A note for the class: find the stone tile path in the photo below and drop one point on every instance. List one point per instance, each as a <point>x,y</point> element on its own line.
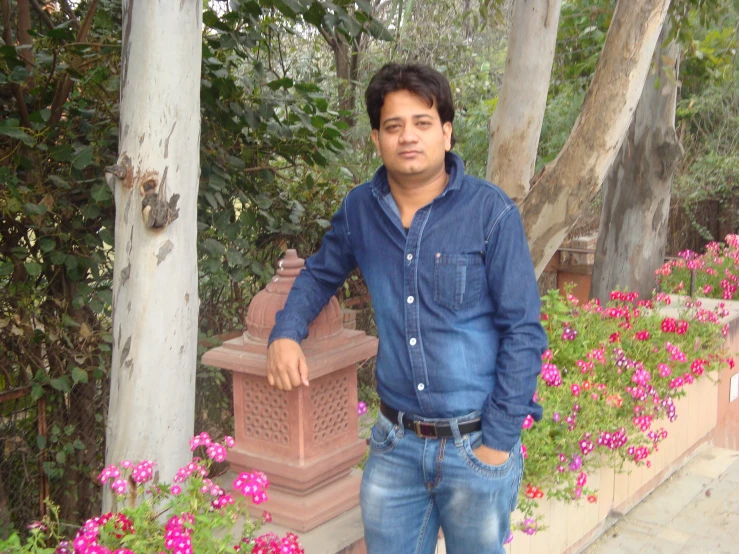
<point>696,511</point>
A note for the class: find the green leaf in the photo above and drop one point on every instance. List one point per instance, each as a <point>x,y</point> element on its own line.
<point>61,384</point>
<point>41,442</point>
<point>61,457</point>
<point>280,83</point>
<point>83,158</point>
<point>100,192</point>
<point>62,153</point>
<point>37,391</point>
<point>46,244</point>
<point>6,268</point>
<point>34,209</point>
<point>18,75</point>
<point>59,181</point>
<point>214,247</point>
<point>33,268</point>
<point>10,128</point>
<point>79,375</point>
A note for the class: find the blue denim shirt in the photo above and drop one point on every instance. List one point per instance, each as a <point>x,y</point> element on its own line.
<point>455,298</point>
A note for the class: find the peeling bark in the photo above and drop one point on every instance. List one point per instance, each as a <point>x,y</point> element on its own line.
<point>516,123</point>
<point>556,198</point>
<point>152,396</point>
<point>636,193</point>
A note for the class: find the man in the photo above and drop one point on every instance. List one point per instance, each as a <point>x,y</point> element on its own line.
<point>448,268</point>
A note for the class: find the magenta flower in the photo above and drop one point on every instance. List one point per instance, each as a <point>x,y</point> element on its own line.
<point>119,486</point>
<point>361,408</point>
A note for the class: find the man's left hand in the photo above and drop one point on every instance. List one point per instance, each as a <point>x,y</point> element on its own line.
<point>490,456</point>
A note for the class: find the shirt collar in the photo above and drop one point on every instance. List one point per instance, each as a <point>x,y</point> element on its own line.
<point>454,167</point>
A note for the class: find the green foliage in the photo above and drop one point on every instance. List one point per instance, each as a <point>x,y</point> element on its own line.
<point>153,516</point>
<point>265,136</point>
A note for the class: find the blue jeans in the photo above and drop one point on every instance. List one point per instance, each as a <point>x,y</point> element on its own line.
<point>412,486</point>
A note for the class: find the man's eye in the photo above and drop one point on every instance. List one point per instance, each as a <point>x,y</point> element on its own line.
<point>392,127</point>
<point>424,123</point>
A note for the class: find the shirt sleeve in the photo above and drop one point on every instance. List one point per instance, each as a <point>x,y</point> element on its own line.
<point>324,272</point>
<point>512,283</point>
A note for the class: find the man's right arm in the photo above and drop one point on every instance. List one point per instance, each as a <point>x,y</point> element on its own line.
<point>324,272</point>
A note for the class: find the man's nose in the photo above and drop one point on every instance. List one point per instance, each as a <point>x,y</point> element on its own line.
<point>408,134</point>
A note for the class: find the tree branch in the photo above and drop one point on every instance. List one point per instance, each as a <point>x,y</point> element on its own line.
<point>69,12</point>
<point>332,42</point>
<point>15,87</point>
<point>42,14</point>
<point>65,86</point>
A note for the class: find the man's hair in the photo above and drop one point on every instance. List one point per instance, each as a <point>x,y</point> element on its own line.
<point>419,79</point>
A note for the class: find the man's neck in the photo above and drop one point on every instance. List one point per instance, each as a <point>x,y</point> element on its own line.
<point>410,195</point>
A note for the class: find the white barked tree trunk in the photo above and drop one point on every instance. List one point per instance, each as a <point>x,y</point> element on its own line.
<point>155,286</point>
<point>516,123</point>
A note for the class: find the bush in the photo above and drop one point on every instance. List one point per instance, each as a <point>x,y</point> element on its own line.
<point>715,274</point>
<point>192,515</point>
<point>610,375</point>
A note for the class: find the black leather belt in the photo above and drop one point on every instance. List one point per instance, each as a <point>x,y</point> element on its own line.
<point>428,429</point>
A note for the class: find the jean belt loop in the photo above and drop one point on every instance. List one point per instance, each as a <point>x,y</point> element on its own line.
<point>399,423</point>
<point>454,424</point>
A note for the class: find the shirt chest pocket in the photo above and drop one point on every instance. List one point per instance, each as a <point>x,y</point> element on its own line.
<point>458,279</point>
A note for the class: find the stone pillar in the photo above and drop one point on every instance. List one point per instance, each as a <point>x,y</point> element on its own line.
<point>306,440</point>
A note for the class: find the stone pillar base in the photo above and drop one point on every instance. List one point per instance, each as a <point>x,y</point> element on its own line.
<point>296,476</point>
<point>305,512</point>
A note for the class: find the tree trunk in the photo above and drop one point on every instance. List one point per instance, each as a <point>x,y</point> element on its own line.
<point>346,58</point>
<point>636,193</point>
<point>575,176</point>
<point>155,287</point>
<point>516,123</point>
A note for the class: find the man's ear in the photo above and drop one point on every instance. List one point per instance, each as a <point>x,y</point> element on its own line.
<point>447,127</point>
<point>375,136</point>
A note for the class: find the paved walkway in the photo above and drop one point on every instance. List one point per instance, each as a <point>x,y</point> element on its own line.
<point>696,511</point>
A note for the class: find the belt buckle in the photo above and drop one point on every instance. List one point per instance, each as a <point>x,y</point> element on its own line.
<point>425,430</point>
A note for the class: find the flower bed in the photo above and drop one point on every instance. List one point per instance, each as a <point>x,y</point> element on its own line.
<point>716,272</point>
<point>192,515</point>
<point>610,384</point>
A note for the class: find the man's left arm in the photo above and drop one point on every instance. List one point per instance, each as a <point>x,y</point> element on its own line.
<point>515,294</point>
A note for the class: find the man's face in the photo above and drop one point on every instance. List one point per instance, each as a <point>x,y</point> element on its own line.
<point>411,140</point>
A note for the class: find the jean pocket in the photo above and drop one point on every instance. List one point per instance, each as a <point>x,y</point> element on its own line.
<point>384,435</point>
<point>473,441</point>
<point>458,279</point>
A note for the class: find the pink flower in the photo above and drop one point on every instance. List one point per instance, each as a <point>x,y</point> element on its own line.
<point>361,408</point>
<point>143,472</point>
<point>110,472</point>
<point>527,422</point>
<point>229,441</point>
<point>175,490</point>
<point>575,389</point>
<point>216,452</point>
<point>119,486</point>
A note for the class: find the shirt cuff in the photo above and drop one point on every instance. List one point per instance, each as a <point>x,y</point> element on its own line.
<point>500,431</point>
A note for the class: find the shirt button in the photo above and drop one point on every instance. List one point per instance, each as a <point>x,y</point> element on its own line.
<point>413,342</point>
<point>410,300</point>
<point>409,257</point>
<point>421,386</point>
